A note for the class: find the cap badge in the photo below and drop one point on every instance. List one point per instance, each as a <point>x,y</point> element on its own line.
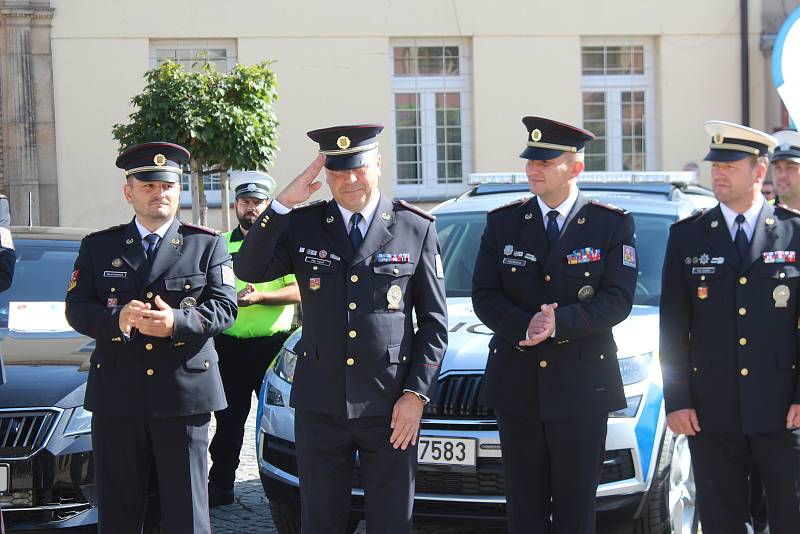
<point>785,146</point>
<point>343,142</point>
<point>718,138</point>
<point>160,160</point>
<point>252,187</point>
<point>536,135</point>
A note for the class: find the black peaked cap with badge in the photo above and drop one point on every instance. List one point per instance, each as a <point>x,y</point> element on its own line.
<point>345,147</point>
<point>788,146</point>
<point>156,161</point>
<point>548,139</point>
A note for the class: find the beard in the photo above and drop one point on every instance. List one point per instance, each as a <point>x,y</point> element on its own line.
<point>247,222</point>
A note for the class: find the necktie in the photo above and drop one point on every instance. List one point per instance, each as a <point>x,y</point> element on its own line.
<point>552,229</point>
<point>741,238</point>
<point>355,233</point>
<point>152,247</point>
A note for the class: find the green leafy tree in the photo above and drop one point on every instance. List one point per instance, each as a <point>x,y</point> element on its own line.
<point>227,120</point>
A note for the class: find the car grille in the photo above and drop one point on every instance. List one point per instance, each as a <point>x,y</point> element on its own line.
<point>485,479</point>
<point>24,432</point>
<point>457,397</point>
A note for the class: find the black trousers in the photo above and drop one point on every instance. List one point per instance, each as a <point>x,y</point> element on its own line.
<point>722,464</point>
<point>242,364</point>
<point>127,451</point>
<point>551,471</point>
<point>326,455</point>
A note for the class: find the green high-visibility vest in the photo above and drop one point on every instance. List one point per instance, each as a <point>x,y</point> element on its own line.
<point>259,320</point>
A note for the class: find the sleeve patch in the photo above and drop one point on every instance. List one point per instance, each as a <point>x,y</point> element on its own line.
<point>5,238</point>
<point>439,266</point>
<point>629,256</point>
<point>228,277</point>
<point>73,280</point>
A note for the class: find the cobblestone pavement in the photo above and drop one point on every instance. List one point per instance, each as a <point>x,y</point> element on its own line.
<point>250,512</point>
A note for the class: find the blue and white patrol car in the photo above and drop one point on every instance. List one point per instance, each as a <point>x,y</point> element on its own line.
<point>646,481</point>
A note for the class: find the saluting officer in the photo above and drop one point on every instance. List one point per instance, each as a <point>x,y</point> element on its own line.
<point>248,347</point>
<point>365,266</point>
<point>152,293</point>
<point>729,338</point>
<point>554,273</point>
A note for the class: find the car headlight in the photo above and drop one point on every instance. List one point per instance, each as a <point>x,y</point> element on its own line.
<point>274,396</point>
<point>285,364</point>
<point>630,410</point>
<point>635,368</point>
<point>80,422</point>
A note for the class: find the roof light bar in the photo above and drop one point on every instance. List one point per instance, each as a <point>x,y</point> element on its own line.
<point>596,177</point>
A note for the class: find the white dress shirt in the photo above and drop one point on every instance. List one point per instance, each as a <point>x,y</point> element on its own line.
<point>563,209</point>
<point>750,218</point>
<point>160,231</point>
<point>367,213</point>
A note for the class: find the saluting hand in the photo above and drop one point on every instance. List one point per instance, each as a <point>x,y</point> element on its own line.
<point>793,417</point>
<point>542,326</point>
<point>129,314</point>
<point>301,188</point>
<point>156,323</point>
<point>405,421</point>
<point>684,422</point>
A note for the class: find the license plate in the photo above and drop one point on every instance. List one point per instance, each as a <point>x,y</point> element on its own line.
<point>446,451</point>
<point>5,472</point>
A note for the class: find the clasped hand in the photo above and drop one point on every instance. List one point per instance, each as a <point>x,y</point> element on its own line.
<point>150,322</point>
<point>542,325</point>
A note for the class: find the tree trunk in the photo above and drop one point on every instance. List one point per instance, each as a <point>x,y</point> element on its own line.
<point>195,184</point>
<point>224,197</point>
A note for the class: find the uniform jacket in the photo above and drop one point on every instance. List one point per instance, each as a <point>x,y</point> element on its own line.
<point>357,354</point>
<point>576,373</point>
<point>146,376</point>
<point>8,259</point>
<point>729,328</point>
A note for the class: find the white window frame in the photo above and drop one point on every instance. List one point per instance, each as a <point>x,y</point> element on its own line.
<point>613,86</point>
<point>213,199</point>
<point>427,87</point>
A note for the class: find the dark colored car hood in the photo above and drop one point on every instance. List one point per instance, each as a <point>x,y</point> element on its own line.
<point>44,370</point>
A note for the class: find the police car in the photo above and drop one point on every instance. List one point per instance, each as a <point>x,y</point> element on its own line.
<point>646,483</point>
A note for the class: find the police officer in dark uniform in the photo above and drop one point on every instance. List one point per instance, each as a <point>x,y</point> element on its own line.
<point>554,273</point>
<point>8,259</point>
<point>729,339</point>
<point>365,265</point>
<point>152,293</point>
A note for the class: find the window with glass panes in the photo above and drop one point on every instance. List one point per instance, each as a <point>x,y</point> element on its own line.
<point>618,106</point>
<point>192,54</point>
<point>431,106</point>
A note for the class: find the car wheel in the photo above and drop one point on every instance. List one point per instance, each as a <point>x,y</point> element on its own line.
<point>671,504</point>
<point>287,519</point>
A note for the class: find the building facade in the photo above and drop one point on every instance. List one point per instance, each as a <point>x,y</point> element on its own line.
<point>450,80</point>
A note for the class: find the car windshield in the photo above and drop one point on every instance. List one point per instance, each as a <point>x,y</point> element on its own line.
<point>460,235</point>
<point>42,273</point>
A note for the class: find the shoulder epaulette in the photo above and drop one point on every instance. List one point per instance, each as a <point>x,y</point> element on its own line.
<point>419,211</point>
<point>513,204</point>
<point>787,209</point>
<point>692,217</point>
<point>106,230</point>
<point>610,207</point>
<point>307,205</point>
<point>200,228</point>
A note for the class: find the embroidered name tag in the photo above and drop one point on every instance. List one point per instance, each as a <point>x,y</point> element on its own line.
<point>513,261</point>
<point>317,261</point>
<point>704,270</point>
<point>115,274</point>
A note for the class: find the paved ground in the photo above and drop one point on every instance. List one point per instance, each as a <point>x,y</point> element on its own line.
<point>250,512</point>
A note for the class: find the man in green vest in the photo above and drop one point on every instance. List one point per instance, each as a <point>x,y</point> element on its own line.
<point>247,348</point>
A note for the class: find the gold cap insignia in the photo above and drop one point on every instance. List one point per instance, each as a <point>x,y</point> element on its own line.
<point>718,138</point>
<point>536,135</point>
<point>116,262</point>
<point>343,142</point>
<point>160,159</point>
